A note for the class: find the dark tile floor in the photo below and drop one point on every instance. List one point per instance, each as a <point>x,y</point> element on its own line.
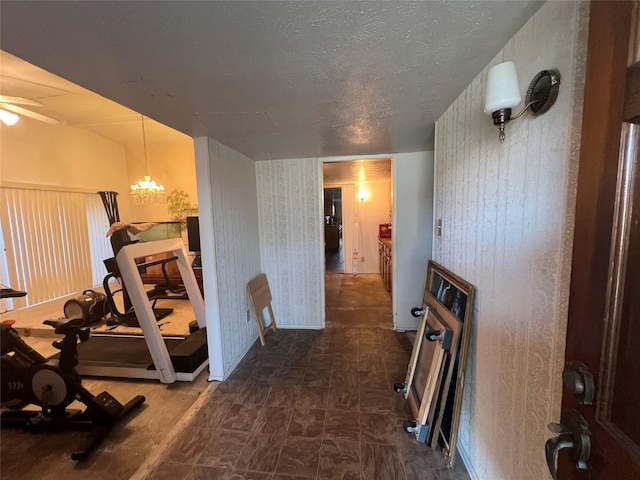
<point>313,404</point>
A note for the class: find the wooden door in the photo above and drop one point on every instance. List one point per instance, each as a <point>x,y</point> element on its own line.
<point>604,306</point>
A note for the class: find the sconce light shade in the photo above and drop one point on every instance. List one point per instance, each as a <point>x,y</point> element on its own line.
<point>503,90</point>
<point>502,94</point>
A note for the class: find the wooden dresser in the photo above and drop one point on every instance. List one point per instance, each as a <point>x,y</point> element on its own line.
<point>386,263</point>
<point>154,276</point>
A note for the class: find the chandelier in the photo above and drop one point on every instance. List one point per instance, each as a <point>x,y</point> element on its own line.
<point>146,191</point>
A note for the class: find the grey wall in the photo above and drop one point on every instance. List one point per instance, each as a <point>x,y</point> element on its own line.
<point>412,232</point>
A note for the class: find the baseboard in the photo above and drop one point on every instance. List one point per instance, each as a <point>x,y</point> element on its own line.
<point>467,462</point>
<point>299,327</point>
<point>236,362</point>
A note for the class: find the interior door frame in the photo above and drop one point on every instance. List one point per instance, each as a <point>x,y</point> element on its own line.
<point>606,70</point>
<point>348,255</point>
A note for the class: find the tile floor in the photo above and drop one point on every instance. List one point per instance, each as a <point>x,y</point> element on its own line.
<point>313,404</point>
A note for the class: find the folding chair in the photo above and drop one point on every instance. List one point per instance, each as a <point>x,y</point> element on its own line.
<point>260,296</point>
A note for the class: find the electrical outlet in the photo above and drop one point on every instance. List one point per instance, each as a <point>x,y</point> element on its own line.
<point>362,259</point>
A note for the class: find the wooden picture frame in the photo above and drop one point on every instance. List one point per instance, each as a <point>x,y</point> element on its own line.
<point>436,341</point>
<point>425,371</point>
<point>450,296</point>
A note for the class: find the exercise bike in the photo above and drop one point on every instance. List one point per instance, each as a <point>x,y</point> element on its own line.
<point>53,384</point>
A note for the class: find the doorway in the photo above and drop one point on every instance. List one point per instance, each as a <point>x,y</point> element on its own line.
<point>333,243</point>
<point>357,199</point>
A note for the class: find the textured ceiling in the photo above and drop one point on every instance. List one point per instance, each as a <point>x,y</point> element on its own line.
<point>272,79</point>
<point>356,171</point>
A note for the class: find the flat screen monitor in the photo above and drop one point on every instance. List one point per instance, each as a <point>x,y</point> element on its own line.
<point>193,234</point>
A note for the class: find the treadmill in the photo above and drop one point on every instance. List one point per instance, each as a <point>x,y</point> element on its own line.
<point>150,356</point>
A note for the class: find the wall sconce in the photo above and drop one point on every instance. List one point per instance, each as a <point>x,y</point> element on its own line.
<point>362,194</point>
<point>502,94</point>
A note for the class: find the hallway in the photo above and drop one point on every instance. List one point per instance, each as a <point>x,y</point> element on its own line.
<point>334,259</point>
<point>313,404</point>
<point>357,302</point>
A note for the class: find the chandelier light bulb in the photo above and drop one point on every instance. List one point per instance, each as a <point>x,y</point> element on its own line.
<point>8,118</point>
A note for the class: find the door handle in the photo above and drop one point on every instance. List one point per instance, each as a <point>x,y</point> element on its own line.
<point>552,447</point>
<point>579,381</point>
<point>572,433</point>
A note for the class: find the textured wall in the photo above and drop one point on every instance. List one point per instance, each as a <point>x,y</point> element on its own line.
<point>291,245</point>
<point>508,212</point>
<point>236,246</point>
<point>291,235</point>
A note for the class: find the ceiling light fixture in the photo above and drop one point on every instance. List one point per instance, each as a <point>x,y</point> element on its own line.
<point>146,191</point>
<point>8,118</point>
<point>503,93</point>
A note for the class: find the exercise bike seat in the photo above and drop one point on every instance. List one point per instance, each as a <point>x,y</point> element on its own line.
<point>64,326</point>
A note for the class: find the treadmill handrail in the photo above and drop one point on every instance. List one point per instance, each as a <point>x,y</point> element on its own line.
<point>144,312</point>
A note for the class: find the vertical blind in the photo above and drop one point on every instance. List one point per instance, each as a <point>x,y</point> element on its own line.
<point>50,238</point>
<point>99,245</point>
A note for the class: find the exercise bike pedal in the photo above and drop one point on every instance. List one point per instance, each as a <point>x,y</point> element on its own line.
<point>105,411</point>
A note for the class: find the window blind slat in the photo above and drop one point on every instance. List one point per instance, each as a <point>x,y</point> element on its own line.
<point>52,241</point>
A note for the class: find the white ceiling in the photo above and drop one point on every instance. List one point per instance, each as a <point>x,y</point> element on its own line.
<point>269,79</point>
<point>78,107</point>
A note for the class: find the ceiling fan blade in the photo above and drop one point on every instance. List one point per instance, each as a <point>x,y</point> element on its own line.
<point>20,101</point>
<point>29,113</point>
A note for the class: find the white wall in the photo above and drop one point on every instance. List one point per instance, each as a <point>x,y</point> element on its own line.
<point>371,212</point>
<point>291,239</point>
<point>413,195</point>
<point>37,153</point>
<point>170,164</point>
<point>230,242</point>
<point>507,213</point>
